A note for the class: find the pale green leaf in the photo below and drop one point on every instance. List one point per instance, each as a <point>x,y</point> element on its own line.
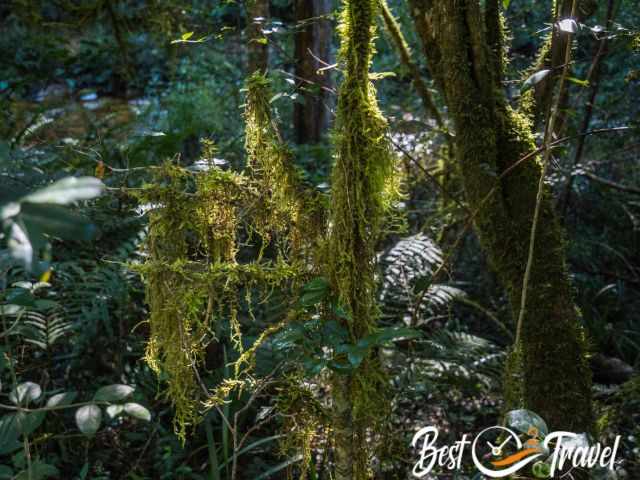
<point>62,399</point>
<point>67,190</point>
<point>113,393</point>
<point>136,410</point>
<point>25,392</point>
<point>88,419</point>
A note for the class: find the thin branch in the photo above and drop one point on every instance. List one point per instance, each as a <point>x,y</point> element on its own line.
<point>405,56</point>
<point>428,174</point>
<point>549,129</point>
<point>608,183</point>
<point>593,77</point>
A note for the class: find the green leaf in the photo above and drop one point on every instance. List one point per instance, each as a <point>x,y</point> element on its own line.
<point>55,220</point>
<point>62,399</point>
<point>505,4</point>
<point>355,355</point>
<point>541,470</point>
<point>27,423</point>
<point>136,410</point>
<point>9,434</point>
<point>25,392</point>
<point>9,209</point>
<point>44,304</point>
<point>568,25</point>
<point>84,471</point>
<point>340,366</point>
<point>20,296</point>
<point>534,79</point>
<point>313,366</point>
<point>114,410</point>
<point>113,393</point>
<point>314,292</point>
<point>88,419</point>
<point>186,36</point>
<point>5,473</point>
<point>334,333</point>
<point>19,244</point>
<point>340,312</point>
<point>39,471</point>
<point>67,190</point>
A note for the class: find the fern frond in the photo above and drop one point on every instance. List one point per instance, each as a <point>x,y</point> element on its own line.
<point>407,270</point>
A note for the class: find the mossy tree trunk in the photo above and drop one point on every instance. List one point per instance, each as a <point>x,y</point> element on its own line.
<point>464,46</point>
<point>536,102</point>
<point>364,183</point>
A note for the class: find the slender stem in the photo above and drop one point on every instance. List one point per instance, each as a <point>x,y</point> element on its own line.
<point>549,129</point>
<point>19,408</point>
<point>214,473</point>
<point>405,56</point>
<point>593,77</point>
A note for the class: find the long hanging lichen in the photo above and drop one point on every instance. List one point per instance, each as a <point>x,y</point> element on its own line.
<point>194,278</point>
<point>364,184</point>
<point>290,206</point>
<point>191,235</point>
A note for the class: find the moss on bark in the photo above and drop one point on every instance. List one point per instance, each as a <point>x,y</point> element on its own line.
<point>491,138</point>
<point>364,183</point>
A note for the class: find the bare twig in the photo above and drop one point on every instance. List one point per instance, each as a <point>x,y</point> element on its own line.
<point>608,183</point>
<point>594,78</point>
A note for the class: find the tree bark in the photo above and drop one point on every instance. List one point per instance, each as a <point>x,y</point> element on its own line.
<point>364,184</point>
<point>536,102</point>
<point>311,117</point>
<point>490,138</point>
<point>258,47</point>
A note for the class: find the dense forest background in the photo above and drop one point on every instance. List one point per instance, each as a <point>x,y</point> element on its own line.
<point>137,139</point>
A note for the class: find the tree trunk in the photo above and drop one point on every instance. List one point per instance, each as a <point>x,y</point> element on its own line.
<point>258,47</point>
<point>363,185</point>
<point>311,117</point>
<point>465,54</point>
<point>536,101</point>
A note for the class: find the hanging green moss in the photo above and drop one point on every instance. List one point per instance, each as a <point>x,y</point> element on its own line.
<point>291,207</point>
<point>304,415</point>
<point>192,227</point>
<point>194,277</point>
<point>192,273</point>
<point>364,185</point>
<point>365,181</point>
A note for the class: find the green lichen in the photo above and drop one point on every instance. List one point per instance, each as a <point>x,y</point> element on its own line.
<point>291,207</point>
